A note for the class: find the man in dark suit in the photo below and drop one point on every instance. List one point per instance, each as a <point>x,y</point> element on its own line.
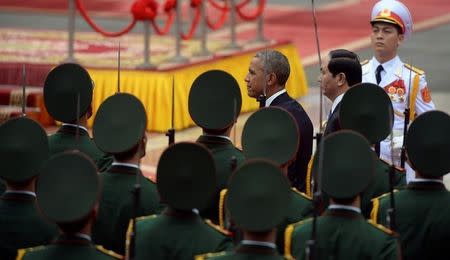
<point>214,104</point>
<point>340,71</point>
<point>68,91</point>
<point>267,75</point>
<point>23,150</point>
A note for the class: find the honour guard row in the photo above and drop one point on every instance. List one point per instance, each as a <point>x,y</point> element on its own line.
<point>373,189</point>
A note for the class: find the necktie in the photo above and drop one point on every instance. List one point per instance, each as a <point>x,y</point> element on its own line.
<point>378,73</point>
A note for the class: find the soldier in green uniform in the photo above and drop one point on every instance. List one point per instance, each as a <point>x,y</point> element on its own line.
<point>214,105</point>
<point>64,85</point>
<point>186,182</point>
<point>23,150</point>
<point>271,133</point>
<point>119,129</point>
<point>374,121</point>
<point>342,232</point>
<point>421,209</point>
<point>256,207</point>
<point>68,189</point>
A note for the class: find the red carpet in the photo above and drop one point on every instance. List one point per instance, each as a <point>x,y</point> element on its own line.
<point>338,26</point>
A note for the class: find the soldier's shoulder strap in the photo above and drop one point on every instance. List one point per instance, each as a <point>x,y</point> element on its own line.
<point>364,62</point>
<point>22,252</point>
<point>414,69</point>
<point>288,236</point>
<point>304,195</point>
<point>381,227</point>
<point>376,205</point>
<point>209,255</point>
<point>138,219</point>
<point>148,217</point>
<point>108,252</point>
<point>217,228</point>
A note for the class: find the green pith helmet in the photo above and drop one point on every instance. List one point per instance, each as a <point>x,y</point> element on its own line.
<point>186,176</point>
<point>270,133</point>
<point>347,165</point>
<point>23,149</point>
<point>258,195</point>
<point>215,100</point>
<point>367,109</point>
<point>120,123</point>
<point>428,144</point>
<point>68,187</point>
<point>62,87</point>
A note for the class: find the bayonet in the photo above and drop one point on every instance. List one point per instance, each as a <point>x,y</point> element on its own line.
<point>24,84</point>
<point>118,70</point>
<point>171,132</point>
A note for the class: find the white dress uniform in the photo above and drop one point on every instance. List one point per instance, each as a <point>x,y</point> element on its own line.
<point>402,82</point>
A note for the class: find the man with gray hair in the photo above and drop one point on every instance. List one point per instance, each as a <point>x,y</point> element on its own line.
<point>267,75</point>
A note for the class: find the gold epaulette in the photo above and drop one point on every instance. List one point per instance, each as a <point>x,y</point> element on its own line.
<point>376,206</point>
<point>108,252</point>
<point>416,70</point>
<point>384,195</point>
<point>21,252</point>
<point>288,237</point>
<point>381,227</point>
<point>364,62</point>
<point>208,255</point>
<point>130,229</point>
<point>301,193</point>
<point>218,228</point>
<point>301,222</point>
<point>221,210</point>
<point>395,166</point>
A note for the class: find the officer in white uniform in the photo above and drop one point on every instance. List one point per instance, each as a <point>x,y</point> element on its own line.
<point>406,85</point>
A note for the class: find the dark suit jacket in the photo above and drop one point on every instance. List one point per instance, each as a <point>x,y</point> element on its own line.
<point>297,170</point>
<point>333,123</point>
